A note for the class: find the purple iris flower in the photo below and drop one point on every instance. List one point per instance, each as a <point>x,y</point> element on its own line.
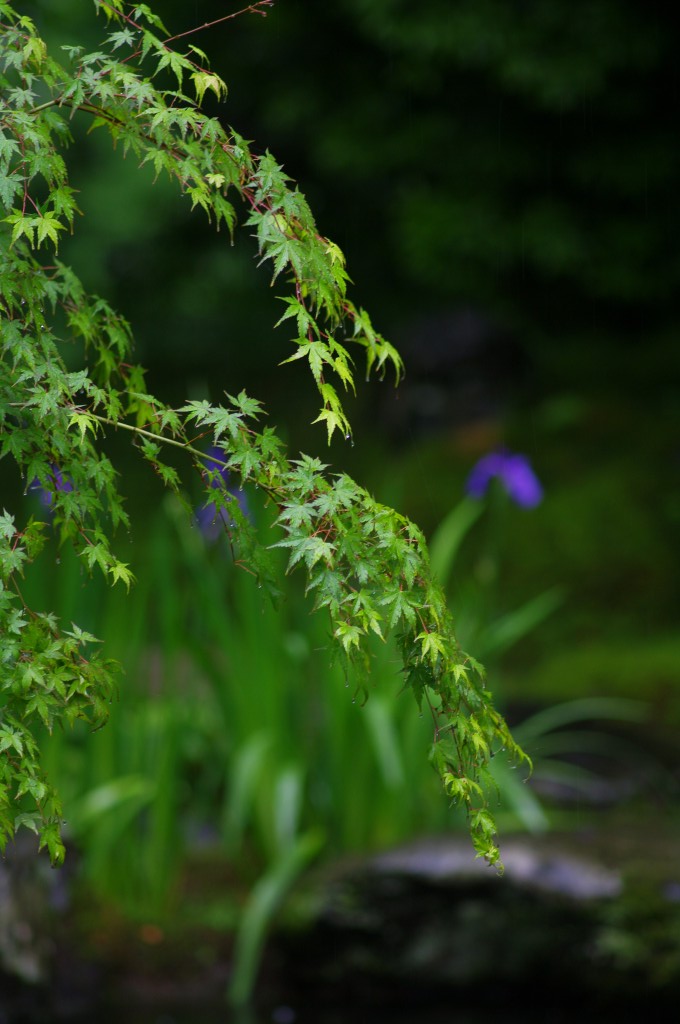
<point>61,483</point>
<point>211,520</point>
<point>515,473</point>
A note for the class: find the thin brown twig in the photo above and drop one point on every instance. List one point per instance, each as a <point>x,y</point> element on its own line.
<point>251,8</point>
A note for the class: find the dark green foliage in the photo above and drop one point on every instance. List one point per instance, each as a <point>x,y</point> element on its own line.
<point>514,158</point>
<point>367,566</point>
<point>47,675</point>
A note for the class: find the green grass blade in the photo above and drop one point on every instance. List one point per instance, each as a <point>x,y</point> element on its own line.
<point>265,899</point>
<point>501,635</point>
<point>450,534</point>
<point>608,708</point>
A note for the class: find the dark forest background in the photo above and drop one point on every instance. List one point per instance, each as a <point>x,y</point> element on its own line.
<point>503,181</point>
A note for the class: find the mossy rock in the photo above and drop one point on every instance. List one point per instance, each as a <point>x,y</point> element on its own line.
<point>591,917</point>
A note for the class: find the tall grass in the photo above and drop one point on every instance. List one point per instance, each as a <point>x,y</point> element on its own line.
<point>235,728</point>
<point>233,724</point>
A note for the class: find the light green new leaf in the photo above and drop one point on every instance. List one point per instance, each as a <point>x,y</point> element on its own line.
<point>121,571</point>
<point>204,80</point>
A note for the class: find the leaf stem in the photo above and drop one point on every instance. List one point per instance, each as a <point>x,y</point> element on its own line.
<point>184,445</point>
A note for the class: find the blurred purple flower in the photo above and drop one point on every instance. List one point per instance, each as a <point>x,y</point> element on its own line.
<point>211,520</point>
<point>214,465</point>
<point>515,473</point>
<point>61,483</point>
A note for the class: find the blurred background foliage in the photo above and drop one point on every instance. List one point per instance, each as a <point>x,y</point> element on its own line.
<point>503,181</point>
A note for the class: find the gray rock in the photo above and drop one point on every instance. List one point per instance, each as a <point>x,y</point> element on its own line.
<point>557,872</point>
<point>27,888</point>
<point>430,918</point>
